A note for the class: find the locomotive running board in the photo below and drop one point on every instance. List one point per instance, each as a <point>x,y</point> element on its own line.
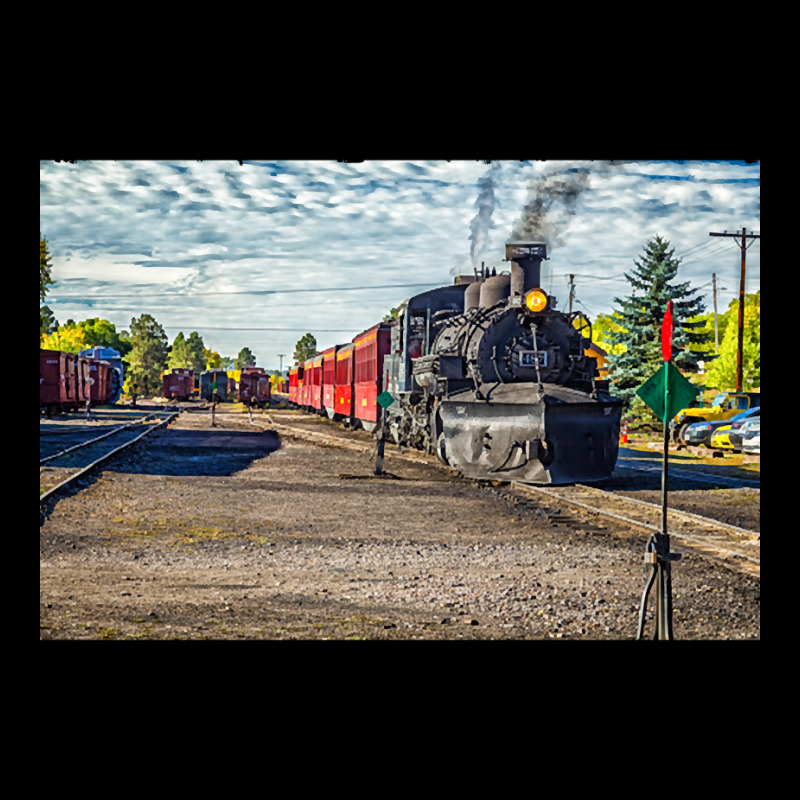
<point>517,435</point>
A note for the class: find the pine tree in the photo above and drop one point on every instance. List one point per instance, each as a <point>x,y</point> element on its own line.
<point>45,266</point>
<point>179,353</point>
<point>148,356</point>
<point>305,348</point>
<point>245,359</point>
<point>640,318</point>
<point>197,352</point>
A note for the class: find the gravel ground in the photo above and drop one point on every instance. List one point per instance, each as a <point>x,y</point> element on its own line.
<point>228,533</point>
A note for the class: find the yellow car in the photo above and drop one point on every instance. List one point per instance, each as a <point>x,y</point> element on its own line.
<point>720,440</point>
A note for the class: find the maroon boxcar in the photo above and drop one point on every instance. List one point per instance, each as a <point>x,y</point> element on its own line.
<point>254,389</point>
<point>52,381</point>
<point>178,384</point>
<point>100,388</point>
<point>370,348</point>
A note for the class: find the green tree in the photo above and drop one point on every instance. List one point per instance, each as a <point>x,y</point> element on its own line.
<point>305,348</point>
<point>640,318</point>
<point>602,326</point>
<point>179,353</point>
<point>245,359</point>
<point>47,322</point>
<point>197,352</point>
<point>393,312</point>
<point>213,359</point>
<point>69,338</point>
<point>102,333</point>
<point>147,358</point>
<point>722,372</point>
<point>45,265</point>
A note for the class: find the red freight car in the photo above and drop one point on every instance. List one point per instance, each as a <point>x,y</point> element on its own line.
<point>100,388</point>
<point>343,387</point>
<point>370,348</point>
<point>329,380</point>
<point>178,384</point>
<point>254,389</point>
<point>77,373</point>
<point>53,375</point>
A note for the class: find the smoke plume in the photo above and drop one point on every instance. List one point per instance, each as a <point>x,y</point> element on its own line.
<point>482,221</point>
<point>552,197</point>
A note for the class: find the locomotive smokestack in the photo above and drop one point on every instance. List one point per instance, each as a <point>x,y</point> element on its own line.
<point>526,262</point>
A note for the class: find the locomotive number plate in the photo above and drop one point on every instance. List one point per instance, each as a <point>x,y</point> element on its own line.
<point>527,358</point>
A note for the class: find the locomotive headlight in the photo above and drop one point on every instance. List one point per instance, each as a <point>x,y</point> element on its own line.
<point>536,300</point>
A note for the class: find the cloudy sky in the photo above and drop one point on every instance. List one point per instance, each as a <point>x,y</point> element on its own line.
<point>255,255</point>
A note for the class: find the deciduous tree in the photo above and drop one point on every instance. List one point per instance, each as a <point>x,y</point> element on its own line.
<point>722,372</point>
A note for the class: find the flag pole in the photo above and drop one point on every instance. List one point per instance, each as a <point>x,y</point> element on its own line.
<point>657,555</point>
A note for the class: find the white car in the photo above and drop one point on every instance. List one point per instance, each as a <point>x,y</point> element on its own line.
<point>751,439</point>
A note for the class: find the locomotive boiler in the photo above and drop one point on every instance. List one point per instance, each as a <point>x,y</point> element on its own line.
<point>499,383</point>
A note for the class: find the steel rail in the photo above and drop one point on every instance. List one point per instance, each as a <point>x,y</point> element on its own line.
<point>108,455</point>
<point>640,524</point>
<point>78,446</point>
<point>702,477</point>
<point>548,491</point>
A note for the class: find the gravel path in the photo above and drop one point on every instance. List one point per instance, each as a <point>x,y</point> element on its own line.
<point>225,533</point>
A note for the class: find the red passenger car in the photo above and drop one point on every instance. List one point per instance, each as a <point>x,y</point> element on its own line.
<point>254,389</point>
<point>370,348</point>
<point>178,384</point>
<point>312,383</point>
<point>329,380</point>
<point>295,383</point>
<point>343,387</point>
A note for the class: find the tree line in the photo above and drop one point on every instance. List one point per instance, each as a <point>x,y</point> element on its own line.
<point>631,334</point>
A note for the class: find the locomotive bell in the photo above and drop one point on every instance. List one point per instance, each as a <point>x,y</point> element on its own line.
<point>526,261</point>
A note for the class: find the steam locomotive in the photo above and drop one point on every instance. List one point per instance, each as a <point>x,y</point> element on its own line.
<point>502,386</point>
<point>487,374</point>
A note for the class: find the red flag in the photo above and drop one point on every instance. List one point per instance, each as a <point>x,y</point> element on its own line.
<point>666,333</point>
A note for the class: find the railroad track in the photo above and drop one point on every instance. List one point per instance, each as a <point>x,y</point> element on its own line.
<point>705,535</point>
<point>697,476</point>
<point>62,466</point>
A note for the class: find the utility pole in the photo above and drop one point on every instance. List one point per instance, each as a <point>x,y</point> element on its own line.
<point>571,291</point>
<point>716,329</point>
<point>743,247</point>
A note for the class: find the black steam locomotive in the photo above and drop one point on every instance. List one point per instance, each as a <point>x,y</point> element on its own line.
<point>496,381</point>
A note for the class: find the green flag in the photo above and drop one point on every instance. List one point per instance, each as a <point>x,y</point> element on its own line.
<point>385,399</point>
<point>680,392</point>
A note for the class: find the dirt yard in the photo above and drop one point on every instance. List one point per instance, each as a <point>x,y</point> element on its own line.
<point>231,533</point>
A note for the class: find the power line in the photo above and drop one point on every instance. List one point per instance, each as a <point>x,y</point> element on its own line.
<point>245,291</point>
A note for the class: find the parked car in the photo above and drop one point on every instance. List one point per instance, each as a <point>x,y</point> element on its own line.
<point>719,438</point>
<point>701,432</point>
<point>740,429</point>
<point>751,438</point>
<point>726,437</point>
